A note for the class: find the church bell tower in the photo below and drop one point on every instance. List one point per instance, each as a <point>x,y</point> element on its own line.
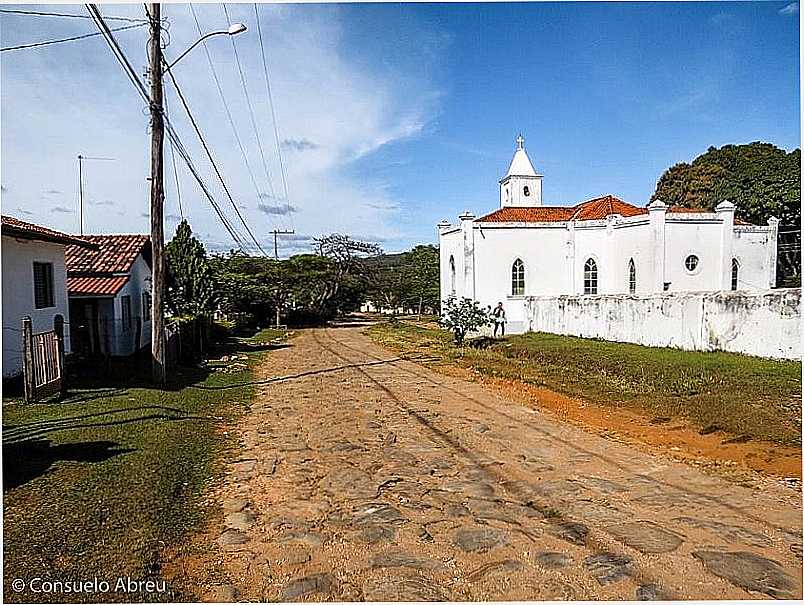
<point>521,186</point>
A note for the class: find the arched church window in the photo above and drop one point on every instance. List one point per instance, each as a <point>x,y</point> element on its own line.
<point>631,276</point>
<point>518,278</point>
<point>590,277</point>
<point>452,275</point>
<point>735,273</point>
<point>526,191</point>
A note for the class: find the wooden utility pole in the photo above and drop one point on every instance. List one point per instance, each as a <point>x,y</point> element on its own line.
<point>280,232</point>
<point>157,197</point>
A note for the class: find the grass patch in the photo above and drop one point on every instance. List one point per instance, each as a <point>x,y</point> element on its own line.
<point>743,395</point>
<point>97,485</point>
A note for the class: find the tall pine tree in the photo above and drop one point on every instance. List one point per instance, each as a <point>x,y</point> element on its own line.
<point>190,288</point>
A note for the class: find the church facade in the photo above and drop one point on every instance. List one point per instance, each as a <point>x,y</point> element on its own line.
<point>603,246</point>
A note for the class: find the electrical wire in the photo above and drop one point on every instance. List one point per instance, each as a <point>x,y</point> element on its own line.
<point>45,14</point>
<point>226,105</point>
<point>250,108</point>
<point>71,39</point>
<point>173,161</point>
<point>135,80</point>
<point>273,116</point>
<point>212,160</point>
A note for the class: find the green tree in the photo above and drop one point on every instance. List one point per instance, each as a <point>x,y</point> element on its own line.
<point>463,316</point>
<point>762,180</point>
<point>190,287</point>
<point>759,178</point>
<point>421,278</point>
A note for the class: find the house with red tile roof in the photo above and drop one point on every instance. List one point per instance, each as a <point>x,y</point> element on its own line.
<point>601,246</point>
<point>34,284</point>
<point>109,287</point>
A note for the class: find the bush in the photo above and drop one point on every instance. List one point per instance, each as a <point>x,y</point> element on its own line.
<point>463,316</point>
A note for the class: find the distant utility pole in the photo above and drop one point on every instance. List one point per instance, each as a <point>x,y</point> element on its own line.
<point>157,196</point>
<point>280,232</point>
<point>81,159</point>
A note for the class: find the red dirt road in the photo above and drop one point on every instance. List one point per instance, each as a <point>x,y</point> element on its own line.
<point>367,477</point>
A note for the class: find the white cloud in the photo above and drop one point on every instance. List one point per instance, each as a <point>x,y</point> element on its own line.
<point>331,109</point>
<point>789,9</point>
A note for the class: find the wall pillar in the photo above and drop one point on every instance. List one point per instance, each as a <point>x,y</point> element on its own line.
<point>772,251</point>
<point>609,268</point>
<point>658,213</point>
<point>467,228</point>
<point>572,269</point>
<point>725,212</point>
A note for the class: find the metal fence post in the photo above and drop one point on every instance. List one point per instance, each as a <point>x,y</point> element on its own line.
<point>27,360</point>
<point>58,328</point>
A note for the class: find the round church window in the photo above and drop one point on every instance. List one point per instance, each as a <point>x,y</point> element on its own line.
<point>691,263</point>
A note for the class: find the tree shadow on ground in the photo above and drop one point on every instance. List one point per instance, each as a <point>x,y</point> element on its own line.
<point>26,460</point>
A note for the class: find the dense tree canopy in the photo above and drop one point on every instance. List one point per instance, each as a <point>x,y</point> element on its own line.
<point>760,179</point>
<point>407,280</point>
<point>190,290</point>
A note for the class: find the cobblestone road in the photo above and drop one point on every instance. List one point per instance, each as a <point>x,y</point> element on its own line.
<point>382,480</point>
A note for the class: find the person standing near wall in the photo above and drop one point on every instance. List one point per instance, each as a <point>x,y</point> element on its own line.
<point>499,319</point>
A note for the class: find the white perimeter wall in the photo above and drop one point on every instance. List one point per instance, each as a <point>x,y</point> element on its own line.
<point>18,296</point>
<point>765,323</point>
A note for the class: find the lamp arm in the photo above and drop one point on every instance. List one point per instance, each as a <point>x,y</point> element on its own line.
<point>194,44</point>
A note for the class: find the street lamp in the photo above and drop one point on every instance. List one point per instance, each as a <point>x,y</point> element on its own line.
<point>234,29</point>
<point>156,61</point>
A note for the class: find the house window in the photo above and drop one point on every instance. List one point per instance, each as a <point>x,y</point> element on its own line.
<point>146,306</point>
<point>526,191</point>
<point>691,263</point>
<point>735,273</point>
<point>452,275</point>
<point>590,277</point>
<point>125,305</point>
<point>43,285</point>
<point>518,278</point>
<point>631,276</point>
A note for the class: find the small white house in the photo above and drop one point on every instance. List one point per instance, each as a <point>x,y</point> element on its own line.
<point>109,288</point>
<point>34,284</point>
<point>603,246</point>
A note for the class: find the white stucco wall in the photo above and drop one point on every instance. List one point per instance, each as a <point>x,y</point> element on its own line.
<point>18,295</point>
<point>763,323</point>
<point>140,281</point>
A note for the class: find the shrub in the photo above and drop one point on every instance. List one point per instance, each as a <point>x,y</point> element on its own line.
<point>463,316</point>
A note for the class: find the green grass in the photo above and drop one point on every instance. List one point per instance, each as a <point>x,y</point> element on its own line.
<point>97,485</point>
<point>739,394</point>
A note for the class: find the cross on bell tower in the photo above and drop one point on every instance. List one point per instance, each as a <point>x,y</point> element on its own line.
<point>522,185</point>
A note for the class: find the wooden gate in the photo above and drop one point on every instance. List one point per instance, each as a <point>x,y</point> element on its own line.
<point>44,360</point>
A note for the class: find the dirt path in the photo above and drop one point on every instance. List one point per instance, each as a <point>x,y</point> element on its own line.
<point>382,481</point>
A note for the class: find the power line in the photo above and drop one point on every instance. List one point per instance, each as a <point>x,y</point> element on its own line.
<point>212,160</point>
<point>250,108</point>
<point>135,80</point>
<point>69,15</point>
<point>273,114</point>
<point>71,39</point>
<point>226,105</point>
<point>173,161</point>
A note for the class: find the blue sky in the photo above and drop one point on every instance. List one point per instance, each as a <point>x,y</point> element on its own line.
<point>393,117</point>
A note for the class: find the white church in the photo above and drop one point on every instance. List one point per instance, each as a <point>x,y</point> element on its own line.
<point>603,246</point>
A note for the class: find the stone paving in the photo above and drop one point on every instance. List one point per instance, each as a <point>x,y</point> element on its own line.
<point>377,479</point>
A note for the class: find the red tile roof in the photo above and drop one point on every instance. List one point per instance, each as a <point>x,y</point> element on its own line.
<point>594,209</point>
<point>16,228</point>
<point>105,285</point>
<point>601,207</point>
<point>113,254</point>
<point>541,214</point>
